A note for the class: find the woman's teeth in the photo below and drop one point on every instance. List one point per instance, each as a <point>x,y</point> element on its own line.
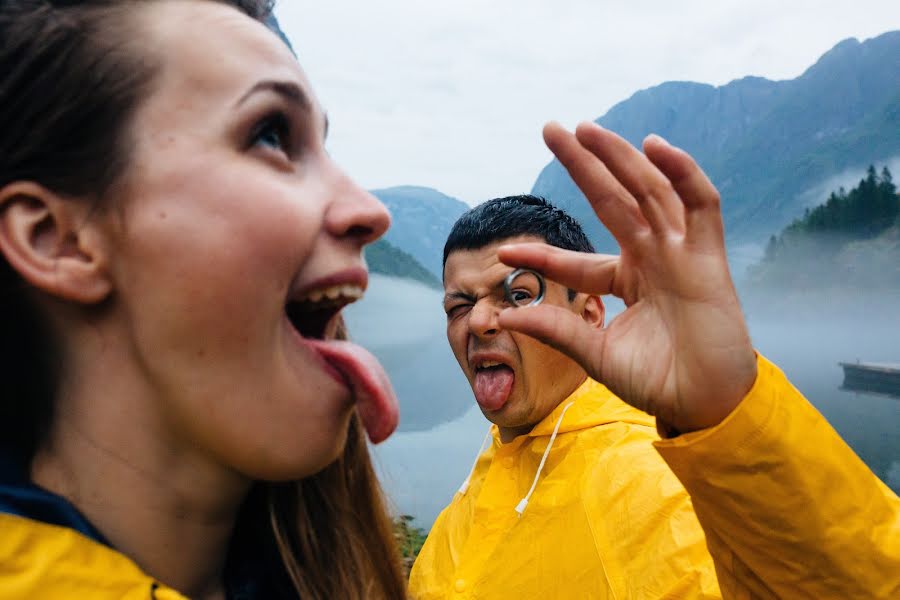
<point>312,314</point>
<point>350,293</point>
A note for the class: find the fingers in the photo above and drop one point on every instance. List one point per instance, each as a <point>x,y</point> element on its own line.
<point>703,217</point>
<point>559,328</point>
<point>612,203</point>
<point>588,273</point>
<point>657,199</point>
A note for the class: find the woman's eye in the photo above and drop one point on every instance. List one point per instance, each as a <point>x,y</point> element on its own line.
<point>272,133</point>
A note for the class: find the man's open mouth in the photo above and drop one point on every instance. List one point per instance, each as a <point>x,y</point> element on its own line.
<point>314,315</point>
<point>492,383</point>
<point>490,365</point>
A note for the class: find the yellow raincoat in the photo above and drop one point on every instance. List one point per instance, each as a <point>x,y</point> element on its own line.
<point>48,550</point>
<point>38,560</point>
<point>608,518</point>
<point>789,510</point>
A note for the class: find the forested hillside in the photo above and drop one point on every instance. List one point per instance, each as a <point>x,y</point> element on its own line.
<point>386,259</point>
<point>852,239</point>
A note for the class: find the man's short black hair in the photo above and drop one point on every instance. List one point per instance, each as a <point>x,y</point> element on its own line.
<point>503,218</point>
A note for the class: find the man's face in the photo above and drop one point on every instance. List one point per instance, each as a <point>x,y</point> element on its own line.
<point>517,380</point>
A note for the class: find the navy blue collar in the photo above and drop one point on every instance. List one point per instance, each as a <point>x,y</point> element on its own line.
<point>20,497</point>
<point>254,570</point>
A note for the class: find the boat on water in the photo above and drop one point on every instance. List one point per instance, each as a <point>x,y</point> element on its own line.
<point>880,378</point>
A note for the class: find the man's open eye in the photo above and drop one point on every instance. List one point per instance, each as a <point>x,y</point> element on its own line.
<point>522,296</point>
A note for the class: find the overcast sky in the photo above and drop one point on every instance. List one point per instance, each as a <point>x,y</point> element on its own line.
<point>452,95</point>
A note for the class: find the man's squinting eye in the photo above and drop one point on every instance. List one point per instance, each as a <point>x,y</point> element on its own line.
<point>272,132</point>
<point>522,296</point>
<point>456,310</point>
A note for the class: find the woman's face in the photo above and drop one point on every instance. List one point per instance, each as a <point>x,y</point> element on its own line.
<point>237,241</point>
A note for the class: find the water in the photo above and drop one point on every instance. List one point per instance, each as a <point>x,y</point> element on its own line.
<point>441,428</point>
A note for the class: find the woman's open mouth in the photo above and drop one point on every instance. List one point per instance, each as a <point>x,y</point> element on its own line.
<point>314,315</point>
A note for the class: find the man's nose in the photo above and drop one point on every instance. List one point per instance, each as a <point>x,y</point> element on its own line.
<point>356,214</point>
<point>483,319</point>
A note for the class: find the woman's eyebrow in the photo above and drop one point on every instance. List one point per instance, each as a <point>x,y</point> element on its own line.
<point>288,90</point>
<point>291,92</point>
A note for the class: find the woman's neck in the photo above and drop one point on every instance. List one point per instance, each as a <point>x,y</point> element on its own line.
<point>171,511</point>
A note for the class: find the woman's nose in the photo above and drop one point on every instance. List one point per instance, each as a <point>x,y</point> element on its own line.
<point>357,214</point>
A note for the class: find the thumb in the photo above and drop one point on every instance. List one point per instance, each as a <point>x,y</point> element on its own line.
<point>560,329</point>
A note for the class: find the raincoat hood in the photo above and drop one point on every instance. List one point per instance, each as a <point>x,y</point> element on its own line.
<point>592,405</point>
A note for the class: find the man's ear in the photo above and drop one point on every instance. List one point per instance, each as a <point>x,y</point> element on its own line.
<point>594,312</point>
<point>46,238</point>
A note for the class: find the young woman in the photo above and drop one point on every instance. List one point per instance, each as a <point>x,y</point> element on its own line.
<point>177,414</point>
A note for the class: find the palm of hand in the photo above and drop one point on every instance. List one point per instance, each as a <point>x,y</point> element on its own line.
<point>678,343</point>
<point>680,350</point>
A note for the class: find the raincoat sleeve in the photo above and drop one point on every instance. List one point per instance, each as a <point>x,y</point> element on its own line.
<point>648,539</point>
<point>788,509</point>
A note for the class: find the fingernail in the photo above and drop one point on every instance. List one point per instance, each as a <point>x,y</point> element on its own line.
<point>658,138</point>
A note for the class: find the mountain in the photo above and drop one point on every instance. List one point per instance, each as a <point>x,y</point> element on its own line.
<point>384,258</point>
<point>764,143</point>
<point>422,219</point>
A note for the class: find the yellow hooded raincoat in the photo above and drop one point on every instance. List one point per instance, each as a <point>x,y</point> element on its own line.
<point>607,519</point>
<point>48,549</point>
<point>39,560</point>
<point>789,510</point>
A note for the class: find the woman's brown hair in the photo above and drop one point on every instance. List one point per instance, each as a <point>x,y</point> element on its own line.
<point>70,80</point>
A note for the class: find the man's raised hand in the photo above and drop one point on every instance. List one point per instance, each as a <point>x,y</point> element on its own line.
<point>680,350</point>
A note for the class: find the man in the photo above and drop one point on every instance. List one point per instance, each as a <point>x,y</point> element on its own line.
<point>606,518</point>
<point>789,511</point>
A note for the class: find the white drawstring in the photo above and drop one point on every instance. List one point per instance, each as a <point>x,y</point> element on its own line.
<point>520,507</point>
<point>465,484</point>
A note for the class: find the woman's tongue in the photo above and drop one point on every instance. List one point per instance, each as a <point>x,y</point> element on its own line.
<point>492,386</point>
<point>375,399</point>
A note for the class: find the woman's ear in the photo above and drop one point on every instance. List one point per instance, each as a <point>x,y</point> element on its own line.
<point>594,311</point>
<point>49,241</point>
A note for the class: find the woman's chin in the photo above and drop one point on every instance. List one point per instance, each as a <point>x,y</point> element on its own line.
<point>297,459</point>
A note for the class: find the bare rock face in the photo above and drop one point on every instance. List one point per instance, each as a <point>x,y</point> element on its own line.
<point>764,142</point>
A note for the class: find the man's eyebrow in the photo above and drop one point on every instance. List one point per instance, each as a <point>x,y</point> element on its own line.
<point>458,296</point>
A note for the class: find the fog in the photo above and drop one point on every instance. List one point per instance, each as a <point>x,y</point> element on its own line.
<point>441,428</point>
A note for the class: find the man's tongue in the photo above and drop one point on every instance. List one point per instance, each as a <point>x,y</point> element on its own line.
<point>492,386</point>
<point>375,399</point>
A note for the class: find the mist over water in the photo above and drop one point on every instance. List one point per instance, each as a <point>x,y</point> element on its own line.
<point>441,428</point>
<point>403,323</point>
<point>808,336</point>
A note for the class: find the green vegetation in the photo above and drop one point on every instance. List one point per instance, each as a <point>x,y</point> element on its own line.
<point>866,211</point>
<point>853,239</point>
<point>386,259</point>
<point>410,540</point>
